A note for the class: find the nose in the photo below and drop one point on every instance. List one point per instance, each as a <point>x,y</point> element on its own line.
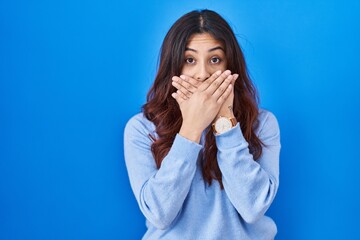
<point>202,73</point>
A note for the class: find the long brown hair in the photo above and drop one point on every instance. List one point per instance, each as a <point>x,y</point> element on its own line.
<point>163,110</point>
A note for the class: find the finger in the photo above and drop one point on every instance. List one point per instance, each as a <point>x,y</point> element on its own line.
<point>204,85</point>
<point>223,87</point>
<point>183,83</point>
<point>178,99</point>
<point>225,94</point>
<point>190,83</point>
<point>182,95</point>
<point>179,87</point>
<point>215,85</point>
<point>195,83</point>
<point>236,76</point>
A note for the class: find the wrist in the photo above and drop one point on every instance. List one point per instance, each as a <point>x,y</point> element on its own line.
<point>190,134</point>
<point>224,114</point>
<point>227,112</point>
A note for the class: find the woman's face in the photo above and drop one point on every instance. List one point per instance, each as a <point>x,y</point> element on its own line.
<point>203,56</point>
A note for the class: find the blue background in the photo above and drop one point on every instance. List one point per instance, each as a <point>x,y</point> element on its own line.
<point>73,72</point>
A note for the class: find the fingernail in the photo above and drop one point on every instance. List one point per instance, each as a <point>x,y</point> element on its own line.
<point>218,72</point>
<point>236,76</point>
<point>227,72</point>
<point>182,77</point>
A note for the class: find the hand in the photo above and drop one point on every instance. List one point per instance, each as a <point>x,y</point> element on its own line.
<point>201,107</point>
<point>226,109</point>
<point>186,86</point>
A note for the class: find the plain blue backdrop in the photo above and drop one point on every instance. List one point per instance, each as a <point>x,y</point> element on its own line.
<point>73,72</point>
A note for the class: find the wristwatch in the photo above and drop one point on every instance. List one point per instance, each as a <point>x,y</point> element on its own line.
<point>223,124</point>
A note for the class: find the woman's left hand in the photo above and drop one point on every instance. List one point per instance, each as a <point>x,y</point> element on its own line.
<point>186,86</point>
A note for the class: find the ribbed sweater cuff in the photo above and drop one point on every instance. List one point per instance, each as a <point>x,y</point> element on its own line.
<point>183,146</point>
<point>230,139</point>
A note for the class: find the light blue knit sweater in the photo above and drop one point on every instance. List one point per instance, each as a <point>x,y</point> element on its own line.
<point>176,201</point>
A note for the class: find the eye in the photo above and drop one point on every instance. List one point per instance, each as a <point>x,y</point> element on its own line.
<point>215,60</point>
<point>190,60</point>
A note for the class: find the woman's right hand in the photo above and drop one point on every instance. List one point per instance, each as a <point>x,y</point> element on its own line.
<point>200,109</point>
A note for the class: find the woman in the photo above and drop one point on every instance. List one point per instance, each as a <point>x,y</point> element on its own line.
<point>202,158</point>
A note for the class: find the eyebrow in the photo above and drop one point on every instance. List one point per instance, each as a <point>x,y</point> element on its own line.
<point>210,50</point>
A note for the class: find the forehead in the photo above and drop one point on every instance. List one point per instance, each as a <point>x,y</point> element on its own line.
<point>203,40</point>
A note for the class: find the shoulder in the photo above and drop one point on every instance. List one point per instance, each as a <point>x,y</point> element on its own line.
<point>268,128</point>
<point>138,124</point>
<point>265,116</point>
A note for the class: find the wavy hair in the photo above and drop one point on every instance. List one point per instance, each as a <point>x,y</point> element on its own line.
<point>162,109</point>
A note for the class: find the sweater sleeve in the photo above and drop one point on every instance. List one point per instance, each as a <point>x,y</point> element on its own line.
<point>161,192</point>
<point>250,185</point>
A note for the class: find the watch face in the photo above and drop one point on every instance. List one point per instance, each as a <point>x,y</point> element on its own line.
<point>222,125</point>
